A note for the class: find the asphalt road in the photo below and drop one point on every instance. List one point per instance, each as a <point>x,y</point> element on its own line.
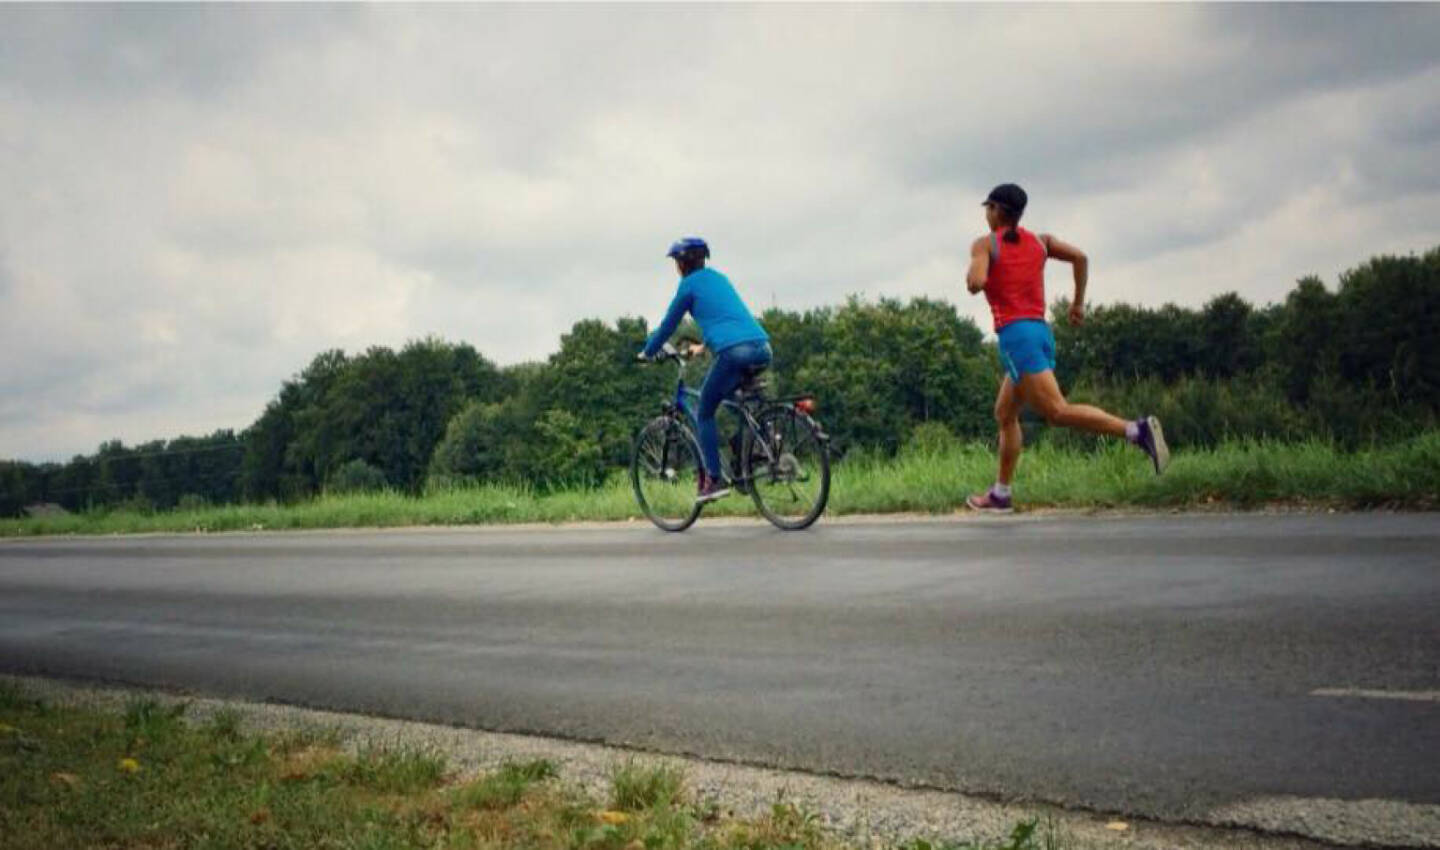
<point>1159,666</point>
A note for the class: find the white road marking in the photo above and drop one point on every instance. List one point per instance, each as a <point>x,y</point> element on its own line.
<point>1364,693</point>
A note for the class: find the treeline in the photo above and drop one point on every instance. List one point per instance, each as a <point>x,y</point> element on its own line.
<point>1354,365</point>
<point>167,473</point>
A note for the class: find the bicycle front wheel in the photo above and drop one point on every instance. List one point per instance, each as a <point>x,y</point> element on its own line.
<point>788,468</point>
<point>665,471</point>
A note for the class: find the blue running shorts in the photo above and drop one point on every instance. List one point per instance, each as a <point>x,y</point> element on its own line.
<point>1027,347</point>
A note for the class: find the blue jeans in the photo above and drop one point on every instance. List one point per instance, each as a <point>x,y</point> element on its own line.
<point>725,376</point>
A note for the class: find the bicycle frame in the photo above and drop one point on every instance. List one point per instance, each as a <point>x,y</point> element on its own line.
<point>685,401</point>
<point>774,451</point>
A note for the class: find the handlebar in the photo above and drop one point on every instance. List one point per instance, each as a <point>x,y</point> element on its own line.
<point>670,352</point>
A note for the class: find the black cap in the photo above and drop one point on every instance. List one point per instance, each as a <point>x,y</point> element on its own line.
<point>1009,197</point>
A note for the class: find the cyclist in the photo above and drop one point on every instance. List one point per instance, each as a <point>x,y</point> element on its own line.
<point>1009,265</point>
<point>738,342</point>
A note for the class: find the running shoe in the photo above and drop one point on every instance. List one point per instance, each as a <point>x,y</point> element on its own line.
<point>989,503</point>
<point>1152,440</point>
<point>711,489</point>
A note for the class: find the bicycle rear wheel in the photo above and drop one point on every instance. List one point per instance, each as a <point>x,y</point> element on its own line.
<point>665,471</point>
<point>789,474</point>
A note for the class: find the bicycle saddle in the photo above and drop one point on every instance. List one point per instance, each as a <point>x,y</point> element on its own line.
<point>754,381</point>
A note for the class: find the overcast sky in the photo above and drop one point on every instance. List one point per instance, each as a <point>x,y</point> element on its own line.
<point>195,200</point>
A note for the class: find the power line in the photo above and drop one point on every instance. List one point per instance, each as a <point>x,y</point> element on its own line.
<point>139,482</point>
<point>128,454</point>
<point>99,456</point>
<point>53,467</point>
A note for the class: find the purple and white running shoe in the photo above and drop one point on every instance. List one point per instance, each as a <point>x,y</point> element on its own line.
<point>989,503</point>
<point>1152,440</point>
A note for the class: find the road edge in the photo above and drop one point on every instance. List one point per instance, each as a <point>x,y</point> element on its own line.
<point>868,812</point>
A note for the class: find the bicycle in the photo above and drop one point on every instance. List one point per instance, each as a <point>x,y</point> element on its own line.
<point>783,458</point>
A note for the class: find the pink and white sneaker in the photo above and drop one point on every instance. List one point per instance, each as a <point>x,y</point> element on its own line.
<point>711,489</point>
<point>989,503</point>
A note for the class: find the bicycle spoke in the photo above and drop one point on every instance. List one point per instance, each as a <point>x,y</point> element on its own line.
<point>791,484</point>
<point>664,473</point>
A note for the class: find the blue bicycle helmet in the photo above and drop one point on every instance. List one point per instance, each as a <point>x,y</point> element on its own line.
<point>690,247</point>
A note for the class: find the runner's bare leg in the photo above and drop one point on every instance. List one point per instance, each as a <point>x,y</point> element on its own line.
<point>1012,439</point>
<point>1042,392</point>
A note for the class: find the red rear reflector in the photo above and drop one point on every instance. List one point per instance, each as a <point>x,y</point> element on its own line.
<point>805,406</point>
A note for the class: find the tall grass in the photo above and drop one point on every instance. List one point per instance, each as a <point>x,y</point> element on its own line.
<point>932,477</point>
<point>1243,473</point>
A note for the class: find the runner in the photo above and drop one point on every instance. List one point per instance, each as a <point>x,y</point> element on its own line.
<point>738,342</point>
<point>1009,265</point>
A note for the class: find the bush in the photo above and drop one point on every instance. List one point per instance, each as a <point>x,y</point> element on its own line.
<point>564,454</point>
<point>356,476</point>
<point>191,502</point>
<point>930,438</point>
<point>136,504</point>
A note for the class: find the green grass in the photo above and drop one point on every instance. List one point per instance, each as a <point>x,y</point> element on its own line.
<point>933,479</point>
<point>397,771</point>
<point>149,777</point>
<point>635,788</point>
<point>506,786</point>
<point>1242,474</point>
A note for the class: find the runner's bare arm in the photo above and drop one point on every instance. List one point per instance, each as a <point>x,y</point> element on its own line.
<point>979,265</point>
<point>1059,249</point>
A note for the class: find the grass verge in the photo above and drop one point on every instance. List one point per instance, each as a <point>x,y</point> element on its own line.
<point>149,778</point>
<point>935,479</point>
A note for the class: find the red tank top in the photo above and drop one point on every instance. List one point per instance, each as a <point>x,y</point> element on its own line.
<point>1015,287</point>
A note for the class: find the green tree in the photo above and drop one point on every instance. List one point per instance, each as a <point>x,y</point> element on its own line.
<point>890,365</point>
<point>595,378</point>
<point>17,487</point>
<point>76,484</point>
<point>387,409</point>
<point>1228,346</point>
<point>479,443</point>
<point>1302,341</point>
<point>119,474</point>
<point>796,338</point>
<point>308,449</point>
<point>264,473</point>
<point>1388,327</point>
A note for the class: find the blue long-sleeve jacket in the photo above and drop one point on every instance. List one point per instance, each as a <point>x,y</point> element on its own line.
<point>723,318</point>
